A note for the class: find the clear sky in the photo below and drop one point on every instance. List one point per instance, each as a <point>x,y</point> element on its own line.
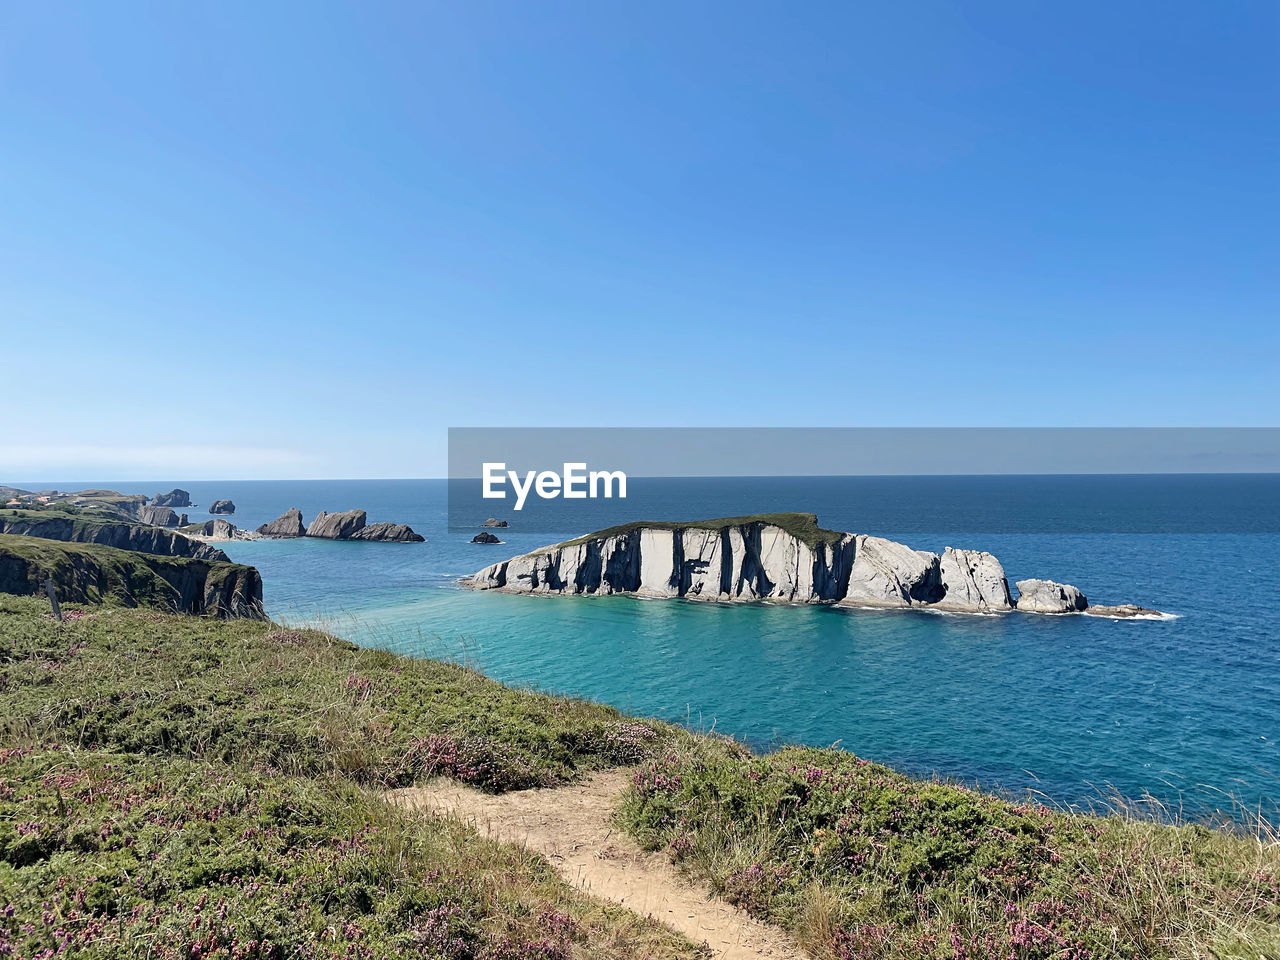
<point>288,240</point>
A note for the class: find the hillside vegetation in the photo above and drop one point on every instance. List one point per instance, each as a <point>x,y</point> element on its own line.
<point>180,787</point>
<point>93,573</point>
<point>75,526</point>
<point>176,786</point>
<point>858,861</point>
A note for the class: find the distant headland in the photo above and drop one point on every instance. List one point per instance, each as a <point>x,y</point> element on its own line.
<point>103,546</point>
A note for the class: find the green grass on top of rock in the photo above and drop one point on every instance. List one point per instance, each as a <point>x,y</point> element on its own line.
<point>802,526</point>
<point>82,526</point>
<point>88,571</point>
<point>36,512</point>
<point>71,525</point>
<point>96,573</point>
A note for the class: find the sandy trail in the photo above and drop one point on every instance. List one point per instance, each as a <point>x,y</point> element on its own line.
<point>570,827</point>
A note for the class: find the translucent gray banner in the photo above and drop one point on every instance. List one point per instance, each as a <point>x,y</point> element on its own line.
<point>568,481</point>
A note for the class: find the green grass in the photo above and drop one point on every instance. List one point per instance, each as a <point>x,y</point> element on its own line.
<point>41,511</point>
<point>179,787</point>
<point>299,701</point>
<point>858,861</point>
<point>802,526</point>
<point>108,855</point>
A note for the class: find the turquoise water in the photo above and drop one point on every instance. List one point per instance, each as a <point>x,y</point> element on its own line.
<point>1187,709</point>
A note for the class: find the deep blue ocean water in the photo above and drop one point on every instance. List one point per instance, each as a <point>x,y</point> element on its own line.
<point>1187,709</point>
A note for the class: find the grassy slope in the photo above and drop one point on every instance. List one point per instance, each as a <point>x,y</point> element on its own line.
<point>178,787</point>
<point>121,856</point>
<point>179,781</point>
<point>302,702</point>
<point>82,520</point>
<point>861,862</point>
<point>803,526</point>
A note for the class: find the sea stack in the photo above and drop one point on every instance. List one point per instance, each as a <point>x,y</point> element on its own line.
<point>351,525</point>
<point>336,526</point>
<point>289,524</point>
<point>348,525</point>
<point>174,498</point>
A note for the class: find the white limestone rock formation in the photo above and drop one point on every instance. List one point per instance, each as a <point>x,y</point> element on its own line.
<point>784,558</point>
<point>1047,596</point>
<point>973,579</point>
<point>889,574</point>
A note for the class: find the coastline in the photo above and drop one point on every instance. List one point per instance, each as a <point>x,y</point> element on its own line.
<point>859,677</point>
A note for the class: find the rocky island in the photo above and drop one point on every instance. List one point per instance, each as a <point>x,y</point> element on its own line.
<point>217,530</point>
<point>288,525</point>
<point>349,525</point>
<point>174,498</point>
<point>783,557</point>
<point>222,507</point>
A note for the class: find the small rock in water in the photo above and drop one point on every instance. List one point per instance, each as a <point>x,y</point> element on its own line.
<point>1122,611</point>
<point>485,537</point>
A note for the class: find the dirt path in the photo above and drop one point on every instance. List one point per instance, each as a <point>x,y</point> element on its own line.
<point>570,826</point>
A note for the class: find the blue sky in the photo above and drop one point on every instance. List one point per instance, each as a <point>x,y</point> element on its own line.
<point>306,239</point>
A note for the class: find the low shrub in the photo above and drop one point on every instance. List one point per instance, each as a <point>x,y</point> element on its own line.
<point>860,862</point>
<point>297,701</point>
<point>108,855</point>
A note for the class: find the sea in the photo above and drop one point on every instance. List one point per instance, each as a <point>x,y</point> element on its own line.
<point>1182,711</point>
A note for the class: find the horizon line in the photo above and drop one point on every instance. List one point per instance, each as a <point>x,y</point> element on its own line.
<point>44,484</point>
